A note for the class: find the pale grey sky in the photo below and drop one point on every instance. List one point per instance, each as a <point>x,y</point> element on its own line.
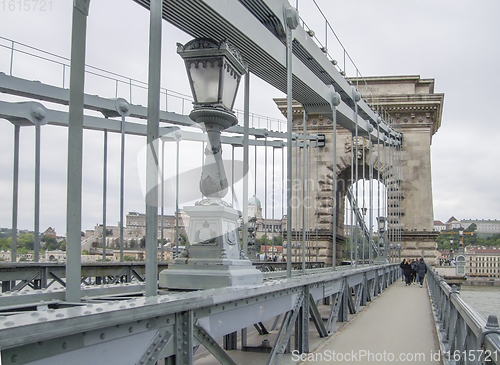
<point>453,42</point>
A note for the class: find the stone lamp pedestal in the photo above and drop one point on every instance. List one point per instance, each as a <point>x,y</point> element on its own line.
<point>213,258</point>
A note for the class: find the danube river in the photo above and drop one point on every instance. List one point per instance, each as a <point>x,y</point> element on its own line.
<point>485,299</point>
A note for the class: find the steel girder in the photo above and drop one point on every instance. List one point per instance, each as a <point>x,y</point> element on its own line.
<point>246,25</point>
<point>182,321</point>
<point>39,91</point>
<point>19,114</point>
<point>28,273</point>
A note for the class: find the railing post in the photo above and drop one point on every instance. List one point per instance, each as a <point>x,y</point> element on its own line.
<point>152,141</point>
<point>75,150</point>
<point>11,58</point>
<point>490,344</point>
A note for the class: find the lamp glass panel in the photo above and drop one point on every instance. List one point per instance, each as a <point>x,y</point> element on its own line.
<point>205,82</point>
<point>229,88</point>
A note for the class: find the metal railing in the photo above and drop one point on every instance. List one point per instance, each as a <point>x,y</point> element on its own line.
<point>465,337</point>
<point>114,314</point>
<point>330,44</point>
<point>123,86</point>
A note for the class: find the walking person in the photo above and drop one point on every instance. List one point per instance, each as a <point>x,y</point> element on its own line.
<point>421,271</point>
<point>413,267</point>
<point>405,265</point>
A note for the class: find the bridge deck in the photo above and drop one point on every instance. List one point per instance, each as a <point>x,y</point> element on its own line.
<point>398,322</point>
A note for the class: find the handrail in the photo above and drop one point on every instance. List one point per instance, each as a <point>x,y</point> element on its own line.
<point>257,120</point>
<point>465,336</point>
<point>343,69</point>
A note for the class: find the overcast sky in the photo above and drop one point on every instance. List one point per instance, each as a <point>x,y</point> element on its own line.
<point>455,42</point>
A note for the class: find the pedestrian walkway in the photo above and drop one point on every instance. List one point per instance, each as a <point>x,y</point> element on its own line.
<point>396,327</point>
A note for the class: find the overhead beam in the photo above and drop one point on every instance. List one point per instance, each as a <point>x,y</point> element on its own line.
<point>20,111</point>
<point>265,52</point>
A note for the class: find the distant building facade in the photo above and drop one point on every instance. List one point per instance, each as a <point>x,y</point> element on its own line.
<point>439,226</point>
<point>482,261</point>
<point>486,226</point>
<point>264,225</point>
<point>134,231</point>
<point>136,219</point>
<point>483,226</point>
<point>453,223</point>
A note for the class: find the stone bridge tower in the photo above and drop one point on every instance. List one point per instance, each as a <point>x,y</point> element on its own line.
<point>416,111</point>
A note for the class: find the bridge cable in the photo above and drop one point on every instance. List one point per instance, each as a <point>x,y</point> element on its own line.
<point>316,198</point>
<point>265,197</point>
<point>122,181</point>
<point>15,193</point>
<point>177,155</point>
<point>304,189</point>
<point>335,197</point>
<point>297,210</point>
<point>385,191</point>
<point>370,252</point>
<point>104,192</point>
<point>307,171</point>
<point>162,197</point>
<point>36,242</point>
<point>350,204</point>
<point>202,159</point>
<point>282,197</point>
<point>378,181</point>
<point>400,196</point>
<point>273,206</point>
<point>364,197</point>
<point>356,254</point>
<point>232,175</point>
<point>255,171</point>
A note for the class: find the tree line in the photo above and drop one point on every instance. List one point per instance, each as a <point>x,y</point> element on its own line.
<point>26,242</point>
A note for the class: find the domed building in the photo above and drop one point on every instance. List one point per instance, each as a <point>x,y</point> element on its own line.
<point>254,207</point>
<point>255,210</point>
<point>272,227</point>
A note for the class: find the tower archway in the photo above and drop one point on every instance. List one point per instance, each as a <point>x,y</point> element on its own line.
<point>405,171</point>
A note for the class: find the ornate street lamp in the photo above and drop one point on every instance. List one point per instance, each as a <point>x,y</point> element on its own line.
<point>460,258</point>
<point>214,72</point>
<point>213,256</point>
<point>252,237</point>
<point>461,237</point>
<point>381,224</point>
<point>451,249</point>
<point>382,253</point>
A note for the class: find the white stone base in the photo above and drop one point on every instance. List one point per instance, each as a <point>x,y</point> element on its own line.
<point>213,257</point>
<point>201,274</point>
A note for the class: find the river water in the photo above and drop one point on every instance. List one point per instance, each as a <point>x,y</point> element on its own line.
<point>484,299</point>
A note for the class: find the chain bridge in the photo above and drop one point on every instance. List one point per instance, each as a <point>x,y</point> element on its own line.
<point>347,196</point>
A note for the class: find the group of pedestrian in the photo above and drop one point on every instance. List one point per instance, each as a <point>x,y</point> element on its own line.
<point>413,271</point>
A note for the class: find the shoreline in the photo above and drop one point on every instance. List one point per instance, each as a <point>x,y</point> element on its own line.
<point>482,282</point>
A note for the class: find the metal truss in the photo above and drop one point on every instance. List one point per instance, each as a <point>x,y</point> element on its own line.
<point>257,29</point>
<point>173,325</point>
<point>45,275</point>
<point>361,219</point>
